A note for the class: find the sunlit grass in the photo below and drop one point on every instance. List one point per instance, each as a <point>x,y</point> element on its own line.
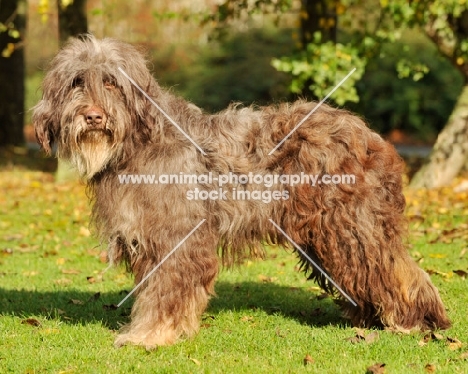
<point>57,315</point>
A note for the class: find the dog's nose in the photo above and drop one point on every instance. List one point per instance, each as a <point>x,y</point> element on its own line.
<point>94,117</point>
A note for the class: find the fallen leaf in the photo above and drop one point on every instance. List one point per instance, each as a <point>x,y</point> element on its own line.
<point>60,261</point>
<point>280,334</point>
<point>378,368</point>
<point>110,307</point>
<point>209,316</point>
<point>70,271</point>
<point>52,252</point>
<point>95,297</point>
<point>461,273</point>
<point>76,302</point>
<point>316,312</point>
<point>31,322</point>
<point>429,337</point>
<point>372,337</point>
<point>323,296</point>
<point>50,331</point>
<point>195,361</point>
<point>464,356</point>
<point>266,279</point>
<point>30,273</point>
<point>63,281</point>
<point>430,368</point>
<point>91,279</point>
<point>247,318</point>
<point>437,255</point>
<point>308,360</point>
<point>7,251</point>
<point>104,257</point>
<point>454,344</point>
<point>94,279</point>
<point>84,231</point>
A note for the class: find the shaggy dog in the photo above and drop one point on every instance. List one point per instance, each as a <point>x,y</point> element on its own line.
<point>239,187</point>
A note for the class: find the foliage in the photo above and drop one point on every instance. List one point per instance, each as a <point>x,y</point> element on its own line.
<point>9,27</point>
<point>321,66</point>
<point>367,27</point>
<point>420,107</point>
<point>235,68</point>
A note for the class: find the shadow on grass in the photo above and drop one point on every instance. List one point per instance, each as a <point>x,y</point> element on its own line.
<point>78,307</point>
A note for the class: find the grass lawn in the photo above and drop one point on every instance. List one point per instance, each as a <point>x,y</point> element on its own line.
<point>57,314</point>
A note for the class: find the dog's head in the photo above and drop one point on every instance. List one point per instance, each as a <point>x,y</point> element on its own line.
<point>89,107</point>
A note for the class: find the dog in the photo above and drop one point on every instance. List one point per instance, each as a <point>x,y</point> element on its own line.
<point>107,115</point>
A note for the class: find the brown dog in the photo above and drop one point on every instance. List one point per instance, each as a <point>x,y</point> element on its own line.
<point>158,166</point>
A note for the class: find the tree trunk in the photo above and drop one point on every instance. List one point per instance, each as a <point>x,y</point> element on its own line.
<point>72,19</point>
<point>450,153</point>
<point>72,22</point>
<point>12,74</point>
<point>318,15</point>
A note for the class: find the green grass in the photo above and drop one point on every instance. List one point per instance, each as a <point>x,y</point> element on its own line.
<point>55,314</point>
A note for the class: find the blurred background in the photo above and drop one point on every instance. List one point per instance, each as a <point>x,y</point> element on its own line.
<point>409,59</point>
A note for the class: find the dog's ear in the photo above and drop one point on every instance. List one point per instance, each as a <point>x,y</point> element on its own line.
<point>43,120</point>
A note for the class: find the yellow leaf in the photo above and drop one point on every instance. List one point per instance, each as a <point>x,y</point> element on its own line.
<point>196,361</point>
<point>8,51</point>
<point>49,331</point>
<point>30,273</point>
<point>454,343</point>
<point>437,255</point>
<point>84,231</point>
<point>35,184</point>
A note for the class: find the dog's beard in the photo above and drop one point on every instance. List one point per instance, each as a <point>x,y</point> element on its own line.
<point>94,152</point>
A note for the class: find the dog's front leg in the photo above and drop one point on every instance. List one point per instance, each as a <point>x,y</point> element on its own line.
<point>170,302</point>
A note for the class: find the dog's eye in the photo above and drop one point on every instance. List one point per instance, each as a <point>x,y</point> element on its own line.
<point>77,82</point>
<point>109,83</point>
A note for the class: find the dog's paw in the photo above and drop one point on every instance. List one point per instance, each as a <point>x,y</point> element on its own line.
<point>149,340</point>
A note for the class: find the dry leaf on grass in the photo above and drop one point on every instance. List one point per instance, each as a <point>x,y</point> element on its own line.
<point>76,302</point>
<point>31,321</point>
<point>95,297</point>
<point>378,368</point>
<point>461,273</point>
<point>308,360</point>
<point>70,271</point>
<point>430,368</point>
<point>104,257</point>
<point>361,336</point>
<point>429,337</point>
<point>372,337</point>
<point>266,279</point>
<point>195,361</point>
<point>454,343</point>
<point>63,281</point>
<point>110,307</point>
